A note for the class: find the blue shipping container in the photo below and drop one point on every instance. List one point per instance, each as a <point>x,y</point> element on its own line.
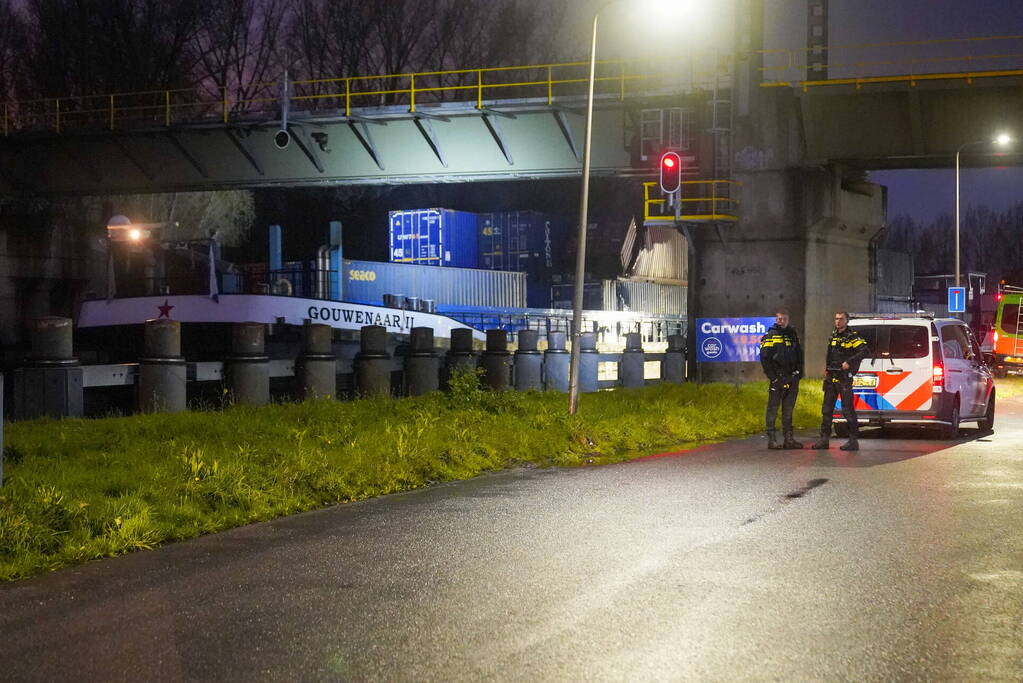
<point>367,282</point>
<point>433,237</point>
<point>518,240</point>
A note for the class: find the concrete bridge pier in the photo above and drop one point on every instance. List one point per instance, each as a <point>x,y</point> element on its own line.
<point>803,243</point>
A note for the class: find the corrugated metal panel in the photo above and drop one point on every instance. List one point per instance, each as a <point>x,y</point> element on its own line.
<point>644,297</point>
<point>664,255</point>
<point>368,281</point>
<point>894,273</point>
<point>435,237</point>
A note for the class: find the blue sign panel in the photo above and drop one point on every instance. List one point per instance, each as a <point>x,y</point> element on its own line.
<point>730,340</point>
<point>957,299</point>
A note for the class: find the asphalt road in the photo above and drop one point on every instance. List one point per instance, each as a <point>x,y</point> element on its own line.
<point>725,563</point>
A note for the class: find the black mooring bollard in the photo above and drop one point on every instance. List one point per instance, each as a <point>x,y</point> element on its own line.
<point>461,357</point>
<point>588,361</point>
<point>162,371</point>
<point>50,384</point>
<point>248,368</point>
<point>631,366</point>
<point>317,366</point>
<point>373,363</point>
<point>528,362</point>
<point>496,361</point>
<point>422,365</point>
<point>556,360</point>
<point>674,367</point>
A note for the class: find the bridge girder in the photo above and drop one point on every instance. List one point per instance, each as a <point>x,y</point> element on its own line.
<point>906,125</point>
<point>451,143</point>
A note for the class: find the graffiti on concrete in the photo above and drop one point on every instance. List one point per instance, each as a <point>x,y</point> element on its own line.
<point>750,158</point>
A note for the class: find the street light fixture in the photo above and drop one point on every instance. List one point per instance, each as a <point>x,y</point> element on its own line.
<point>580,261</point>
<point>1002,140</point>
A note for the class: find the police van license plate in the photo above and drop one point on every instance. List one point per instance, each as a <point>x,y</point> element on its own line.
<point>866,381</point>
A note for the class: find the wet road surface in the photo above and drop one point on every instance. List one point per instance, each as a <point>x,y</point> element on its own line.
<point>728,562</point>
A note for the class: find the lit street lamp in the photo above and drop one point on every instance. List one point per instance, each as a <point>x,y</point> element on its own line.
<point>1002,140</point>
<point>580,261</point>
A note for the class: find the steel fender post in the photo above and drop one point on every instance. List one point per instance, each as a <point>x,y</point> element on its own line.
<point>528,362</point>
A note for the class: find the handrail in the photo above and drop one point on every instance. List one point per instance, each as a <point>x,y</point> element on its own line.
<point>175,105</point>
<point>842,61</point>
<point>722,207</point>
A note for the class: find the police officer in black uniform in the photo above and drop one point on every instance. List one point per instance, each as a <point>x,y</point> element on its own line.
<point>846,348</point>
<point>782,359</point>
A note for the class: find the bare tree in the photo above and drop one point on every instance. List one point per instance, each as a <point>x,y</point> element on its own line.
<point>328,39</point>
<point>91,47</point>
<point>237,49</point>
<point>11,36</point>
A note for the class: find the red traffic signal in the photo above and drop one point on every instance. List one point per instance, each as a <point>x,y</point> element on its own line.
<point>671,172</point>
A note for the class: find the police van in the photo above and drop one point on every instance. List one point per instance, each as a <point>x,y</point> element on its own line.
<point>920,371</point>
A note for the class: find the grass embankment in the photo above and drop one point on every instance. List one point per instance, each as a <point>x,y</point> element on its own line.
<point>83,489</point>
<point>1009,387</point>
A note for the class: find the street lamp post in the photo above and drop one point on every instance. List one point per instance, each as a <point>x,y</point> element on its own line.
<point>1001,141</point>
<point>584,200</point>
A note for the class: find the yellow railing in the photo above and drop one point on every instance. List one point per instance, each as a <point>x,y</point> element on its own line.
<point>696,204</point>
<point>894,62</point>
<point>341,95</point>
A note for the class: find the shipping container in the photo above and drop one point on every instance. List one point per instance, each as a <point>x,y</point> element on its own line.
<point>518,240</point>
<point>434,237</point>
<point>562,296</point>
<point>624,294</point>
<point>368,281</point>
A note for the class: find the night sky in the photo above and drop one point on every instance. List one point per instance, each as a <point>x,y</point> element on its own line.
<point>921,194</point>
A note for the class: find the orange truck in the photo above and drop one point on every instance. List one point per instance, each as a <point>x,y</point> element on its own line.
<point>1006,337</point>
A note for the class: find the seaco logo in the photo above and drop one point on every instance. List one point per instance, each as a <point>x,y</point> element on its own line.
<point>756,328</point>
<point>362,275</point>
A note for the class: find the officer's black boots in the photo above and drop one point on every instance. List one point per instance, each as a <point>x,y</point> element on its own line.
<point>820,444</point>
<point>772,444</point>
<point>791,443</point>
<point>851,445</point>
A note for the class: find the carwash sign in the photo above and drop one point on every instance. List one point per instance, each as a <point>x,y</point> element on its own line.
<point>730,340</point>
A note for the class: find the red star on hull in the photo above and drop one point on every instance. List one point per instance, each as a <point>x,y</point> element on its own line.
<point>165,310</point>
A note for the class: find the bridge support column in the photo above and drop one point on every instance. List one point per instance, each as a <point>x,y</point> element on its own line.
<point>803,244</point>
